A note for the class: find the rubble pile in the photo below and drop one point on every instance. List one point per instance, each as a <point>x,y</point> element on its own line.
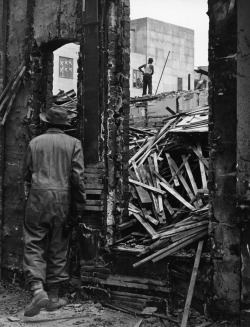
<point>168,179</point>
<point>68,101</point>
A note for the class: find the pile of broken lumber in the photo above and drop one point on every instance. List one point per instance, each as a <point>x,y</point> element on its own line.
<point>68,101</point>
<point>168,179</point>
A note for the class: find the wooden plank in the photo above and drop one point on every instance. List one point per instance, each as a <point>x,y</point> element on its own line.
<point>181,229</point>
<point>200,156</point>
<point>169,159</point>
<point>192,231</point>
<point>94,186</point>
<point>151,188</point>
<point>122,283</point>
<point>146,225</point>
<point>132,279</point>
<point>165,251</point>
<point>134,209</point>
<point>192,284</point>
<point>191,177</point>
<point>93,192</point>
<point>139,323</point>
<point>156,140</point>
<point>137,173</point>
<point>93,208</point>
<point>143,195</point>
<point>180,246</point>
<point>177,195</point>
<point>202,168</point>
<point>94,202</point>
<point>179,169</point>
<point>153,196</point>
<point>184,183</point>
<point>142,149</point>
<point>127,224</point>
<point>90,170</point>
<point>160,201</point>
<point>168,206</point>
<point>7,88</point>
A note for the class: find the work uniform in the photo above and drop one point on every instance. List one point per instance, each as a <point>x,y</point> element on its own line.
<point>147,79</point>
<point>53,164</point>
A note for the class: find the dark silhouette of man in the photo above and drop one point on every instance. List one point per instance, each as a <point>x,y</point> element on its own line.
<point>53,174</point>
<point>147,76</point>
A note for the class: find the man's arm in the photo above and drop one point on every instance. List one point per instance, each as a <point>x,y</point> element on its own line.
<point>140,68</point>
<point>77,177</point>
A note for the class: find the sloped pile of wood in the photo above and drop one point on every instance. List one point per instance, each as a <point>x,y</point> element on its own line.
<point>8,95</point>
<point>168,180</point>
<point>68,101</point>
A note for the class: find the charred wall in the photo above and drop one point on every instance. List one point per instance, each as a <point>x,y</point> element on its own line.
<point>35,29</point>
<point>222,176</point>
<point>243,149</point>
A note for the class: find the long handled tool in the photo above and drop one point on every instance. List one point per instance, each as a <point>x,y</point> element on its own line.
<point>162,72</point>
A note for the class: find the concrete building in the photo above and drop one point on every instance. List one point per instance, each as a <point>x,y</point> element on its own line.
<point>65,68</point>
<point>153,38</point>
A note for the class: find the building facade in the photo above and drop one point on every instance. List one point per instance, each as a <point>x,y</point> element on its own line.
<point>65,68</point>
<point>157,39</point>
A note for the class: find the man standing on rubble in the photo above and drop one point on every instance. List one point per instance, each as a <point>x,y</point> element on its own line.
<point>147,76</point>
<point>53,174</point>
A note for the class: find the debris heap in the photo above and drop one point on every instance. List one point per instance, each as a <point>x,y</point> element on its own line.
<point>168,179</point>
<point>68,101</point>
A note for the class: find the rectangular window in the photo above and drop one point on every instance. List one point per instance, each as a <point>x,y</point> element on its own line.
<point>179,84</point>
<point>66,67</point>
<point>137,79</point>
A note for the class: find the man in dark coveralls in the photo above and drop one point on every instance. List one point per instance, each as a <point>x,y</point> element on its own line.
<point>53,172</point>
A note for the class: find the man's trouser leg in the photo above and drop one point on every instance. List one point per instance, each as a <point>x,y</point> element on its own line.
<point>57,253</point>
<point>150,85</point>
<point>34,264</point>
<point>144,89</point>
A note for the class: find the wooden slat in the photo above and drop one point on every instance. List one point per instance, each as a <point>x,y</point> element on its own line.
<point>151,188</point>
<point>94,202</point>
<point>180,246</point>
<point>93,192</point>
<point>181,228</point>
<point>93,208</point>
<point>191,177</point>
<point>127,224</point>
<point>202,168</point>
<point>200,156</point>
<point>179,169</point>
<point>177,195</point>
<point>184,183</point>
<point>94,186</point>
<point>191,285</point>
<point>160,201</point>
<point>146,225</point>
<point>169,159</point>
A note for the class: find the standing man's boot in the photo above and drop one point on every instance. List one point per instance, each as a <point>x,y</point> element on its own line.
<point>40,300</point>
<point>55,302</point>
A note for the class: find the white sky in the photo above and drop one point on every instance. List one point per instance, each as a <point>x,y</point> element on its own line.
<point>186,13</point>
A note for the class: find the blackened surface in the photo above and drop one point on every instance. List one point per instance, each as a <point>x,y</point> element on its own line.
<point>243,150</point>
<point>222,137</point>
<point>91,84</point>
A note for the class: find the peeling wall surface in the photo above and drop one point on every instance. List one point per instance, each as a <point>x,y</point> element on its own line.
<point>35,29</point>
<point>222,176</point>
<point>243,146</point>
